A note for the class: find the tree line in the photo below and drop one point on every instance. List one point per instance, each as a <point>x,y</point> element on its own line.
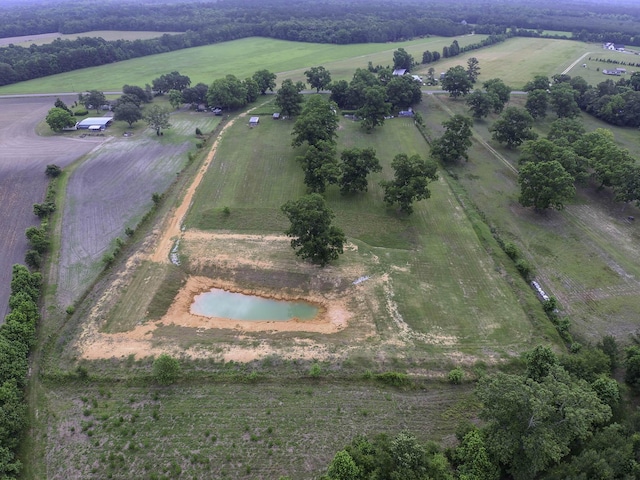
<point>559,416</point>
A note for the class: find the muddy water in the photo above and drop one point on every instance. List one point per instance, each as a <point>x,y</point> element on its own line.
<point>237,306</point>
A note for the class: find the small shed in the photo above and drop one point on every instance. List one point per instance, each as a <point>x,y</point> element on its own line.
<point>276,116</point>
<point>253,121</point>
<point>398,72</point>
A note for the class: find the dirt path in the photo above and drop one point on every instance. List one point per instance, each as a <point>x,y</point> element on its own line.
<point>173,228</point>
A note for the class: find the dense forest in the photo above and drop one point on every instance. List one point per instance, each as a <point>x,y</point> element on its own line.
<point>203,23</point>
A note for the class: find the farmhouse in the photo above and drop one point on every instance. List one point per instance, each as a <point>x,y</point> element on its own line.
<point>94,123</point>
<point>613,46</point>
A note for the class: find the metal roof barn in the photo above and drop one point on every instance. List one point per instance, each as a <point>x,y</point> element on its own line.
<point>99,122</point>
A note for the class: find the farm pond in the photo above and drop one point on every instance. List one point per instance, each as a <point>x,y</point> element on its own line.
<point>238,306</point>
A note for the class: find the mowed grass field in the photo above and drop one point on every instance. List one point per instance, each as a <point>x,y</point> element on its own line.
<point>518,60</point>
<point>240,57</point>
<point>584,255</point>
<point>446,274</point>
<point>109,35</point>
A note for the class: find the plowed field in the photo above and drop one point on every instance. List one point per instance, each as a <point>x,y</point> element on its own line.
<point>23,158</point>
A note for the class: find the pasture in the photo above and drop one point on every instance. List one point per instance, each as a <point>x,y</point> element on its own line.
<point>109,35</point>
<point>233,430</point>
<point>240,58</point>
<point>439,293</point>
<point>584,255</point>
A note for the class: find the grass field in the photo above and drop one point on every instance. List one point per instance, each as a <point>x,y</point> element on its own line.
<point>518,60</point>
<point>240,58</point>
<point>440,293</point>
<point>584,255</point>
<point>109,35</point>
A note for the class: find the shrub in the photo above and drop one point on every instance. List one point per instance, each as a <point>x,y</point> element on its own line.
<point>315,370</point>
<point>198,131</point>
<point>395,379</point>
<point>226,211</point>
<point>524,268</point>
<point>81,112</point>
<point>33,259</point>
<point>52,171</point>
<point>70,310</point>
<point>511,250</point>
<point>455,376</point>
<point>166,369</point>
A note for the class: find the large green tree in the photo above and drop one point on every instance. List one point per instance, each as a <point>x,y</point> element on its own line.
<point>157,117</point>
<point>128,112</point>
<point>500,90</point>
<point>228,93</point>
<point>289,98</point>
<point>313,236</point>
<point>513,127</point>
<point>402,59</point>
<point>58,118</point>
<point>473,69</point>
<point>318,77</point>
<point>266,80</point>
<point>456,82</point>
<point>537,103</point>
<point>320,166</point>
<point>481,103</point>
<point>403,91</point>
<point>532,424</point>
<point>375,108</point>
<point>411,179</point>
<point>356,165</point>
<point>545,185</point>
<point>317,122</point>
<point>455,141</point>
<point>563,100</point>
<point>93,99</point>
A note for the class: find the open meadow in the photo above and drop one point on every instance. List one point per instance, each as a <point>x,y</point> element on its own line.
<point>585,255</point>
<point>108,35</point>
<point>416,294</point>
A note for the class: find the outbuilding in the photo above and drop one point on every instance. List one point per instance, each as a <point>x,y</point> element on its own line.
<point>253,121</point>
<point>94,123</point>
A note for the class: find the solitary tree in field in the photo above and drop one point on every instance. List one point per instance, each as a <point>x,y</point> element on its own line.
<point>313,236</point>
<point>318,77</point>
<point>158,118</point>
<point>356,165</point>
<point>58,118</point>
<point>410,184</point>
